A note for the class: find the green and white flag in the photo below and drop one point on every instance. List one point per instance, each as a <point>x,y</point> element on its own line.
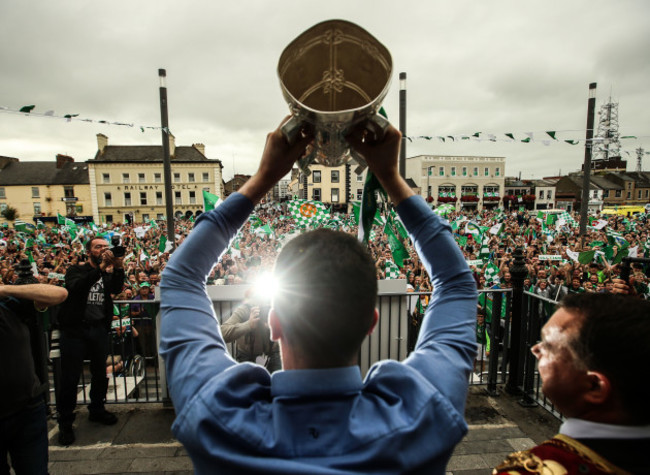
<point>23,227</point>
<point>308,213</point>
<point>396,247</point>
<point>210,201</point>
<point>391,270</point>
<point>484,253</point>
<point>65,222</point>
<point>492,274</point>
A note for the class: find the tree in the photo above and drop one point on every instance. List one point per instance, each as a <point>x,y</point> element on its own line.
<point>10,213</point>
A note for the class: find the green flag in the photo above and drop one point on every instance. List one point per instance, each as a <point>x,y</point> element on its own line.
<point>391,270</point>
<point>397,248</point>
<point>210,201</point>
<point>23,227</point>
<point>586,257</point>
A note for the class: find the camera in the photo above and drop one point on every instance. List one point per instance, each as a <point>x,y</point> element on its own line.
<point>117,249</point>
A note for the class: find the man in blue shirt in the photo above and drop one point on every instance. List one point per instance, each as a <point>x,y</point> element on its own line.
<point>318,415</point>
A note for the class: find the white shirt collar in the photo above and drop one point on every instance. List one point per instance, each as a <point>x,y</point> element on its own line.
<point>582,429</point>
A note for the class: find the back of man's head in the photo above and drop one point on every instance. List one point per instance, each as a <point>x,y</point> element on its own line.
<point>327,291</point>
<point>613,339</point>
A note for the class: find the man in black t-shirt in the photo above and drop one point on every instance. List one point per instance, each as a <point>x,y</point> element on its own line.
<point>85,320</point>
<point>23,418</point>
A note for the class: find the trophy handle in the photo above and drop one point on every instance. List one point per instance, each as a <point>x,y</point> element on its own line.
<point>377,124</point>
<point>291,129</point>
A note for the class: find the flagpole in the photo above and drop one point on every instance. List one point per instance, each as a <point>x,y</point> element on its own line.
<point>167,168</point>
<point>591,106</point>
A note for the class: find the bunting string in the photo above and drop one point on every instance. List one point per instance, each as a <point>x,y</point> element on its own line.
<point>546,138</point>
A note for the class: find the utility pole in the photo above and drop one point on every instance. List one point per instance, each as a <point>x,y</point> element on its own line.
<point>591,107</point>
<point>167,167</point>
<point>402,123</point>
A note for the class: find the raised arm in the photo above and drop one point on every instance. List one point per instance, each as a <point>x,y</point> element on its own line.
<point>191,342</point>
<point>446,345</point>
<point>43,295</point>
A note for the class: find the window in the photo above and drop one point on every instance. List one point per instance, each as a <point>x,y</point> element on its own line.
<point>127,198</point>
<point>126,178</point>
<point>316,176</point>
<point>549,194</point>
<point>108,199</point>
<point>141,178</point>
<point>629,195</point>
<point>497,171</point>
<point>159,216</point>
<point>3,196</point>
<point>335,176</point>
<point>106,178</point>
<point>177,198</point>
<point>359,193</point>
<point>109,218</point>
<point>453,171</point>
<point>79,209</point>
<point>486,171</point>
<point>143,198</point>
<point>359,178</point>
<point>646,193</point>
<point>3,206</point>
<point>618,193</point>
<point>441,171</point>
<point>335,195</point>
<point>68,191</point>
<point>639,195</point>
<point>190,177</point>
<point>159,199</point>
<point>37,207</point>
<point>464,171</point>
<point>316,194</point>
<point>36,193</point>
<point>157,178</point>
<point>475,171</point>
<point>606,193</point>
<point>596,194</point>
<point>541,194</point>
<point>192,197</point>
<point>205,176</point>
<point>177,177</point>
<point>145,217</point>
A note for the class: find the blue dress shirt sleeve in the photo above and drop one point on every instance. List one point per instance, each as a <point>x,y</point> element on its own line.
<point>446,345</point>
<point>190,339</point>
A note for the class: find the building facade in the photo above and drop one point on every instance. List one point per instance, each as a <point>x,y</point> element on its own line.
<point>41,190</point>
<point>127,182</point>
<point>466,182</point>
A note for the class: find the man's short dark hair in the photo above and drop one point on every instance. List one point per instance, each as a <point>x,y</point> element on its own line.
<point>89,244</point>
<point>326,297</point>
<point>613,339</point>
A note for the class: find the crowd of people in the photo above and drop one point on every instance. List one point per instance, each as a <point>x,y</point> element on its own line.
<point>487,239</point>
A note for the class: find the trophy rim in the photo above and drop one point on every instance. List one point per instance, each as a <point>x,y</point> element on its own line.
<point>304,110</point>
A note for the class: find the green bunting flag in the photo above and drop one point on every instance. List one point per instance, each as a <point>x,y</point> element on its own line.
<point>551,134</point>
<point>27,109</point>
<point>210,201</point>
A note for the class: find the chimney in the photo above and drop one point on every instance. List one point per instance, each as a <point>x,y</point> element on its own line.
<point>200,147</point>
<point>102,142</point>
<point>4,161</point>
<point>62,160</point>
<point>172,145</point>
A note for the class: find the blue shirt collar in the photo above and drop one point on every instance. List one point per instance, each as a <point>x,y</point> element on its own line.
<point>308,382</point>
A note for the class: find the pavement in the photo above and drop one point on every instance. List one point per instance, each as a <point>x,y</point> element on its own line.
<point>142,442</point>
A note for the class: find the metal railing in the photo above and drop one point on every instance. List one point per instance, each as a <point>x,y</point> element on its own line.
<point>136,373</point>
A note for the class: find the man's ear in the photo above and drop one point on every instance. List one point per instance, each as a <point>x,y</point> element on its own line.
<point>274,325</point>
<point>600,388</point>
<point>373,324</point>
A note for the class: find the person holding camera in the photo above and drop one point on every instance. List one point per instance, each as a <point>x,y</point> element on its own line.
<point>249,327</point>
<point>85,320</point>
<point>23,416</point>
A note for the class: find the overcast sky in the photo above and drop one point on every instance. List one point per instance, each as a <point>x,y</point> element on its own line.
<point>491,66</point>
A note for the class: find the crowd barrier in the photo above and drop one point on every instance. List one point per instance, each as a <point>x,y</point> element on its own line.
<point>138,375</point>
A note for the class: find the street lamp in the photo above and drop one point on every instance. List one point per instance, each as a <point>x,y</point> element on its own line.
<point>429,186</point>
<point>167,168</point>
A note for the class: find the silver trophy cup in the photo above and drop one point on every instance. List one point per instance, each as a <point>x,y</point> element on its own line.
<point>334,76</point>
